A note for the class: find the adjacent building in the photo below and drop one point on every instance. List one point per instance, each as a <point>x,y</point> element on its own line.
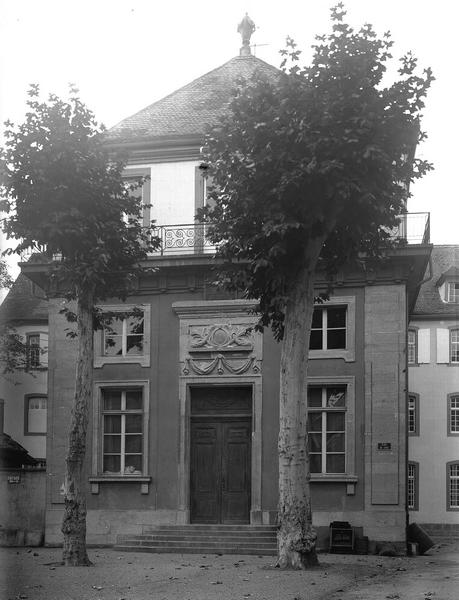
<point>433,403</point>
<point>23,416</point>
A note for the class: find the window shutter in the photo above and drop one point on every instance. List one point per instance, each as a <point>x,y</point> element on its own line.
<point>423,345</point>
<point>442,345</point>
<point>199,188</point>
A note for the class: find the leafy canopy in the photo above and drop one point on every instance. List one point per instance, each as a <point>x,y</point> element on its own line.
<point>323,151</point>
<point>65,192</point>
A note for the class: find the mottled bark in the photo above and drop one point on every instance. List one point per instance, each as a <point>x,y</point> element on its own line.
<point>296,537</point>
<point>74,522</point>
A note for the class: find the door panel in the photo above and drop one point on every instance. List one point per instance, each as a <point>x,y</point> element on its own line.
<point>205,473</point>
<point>220,471</point>
<point>236,472</point>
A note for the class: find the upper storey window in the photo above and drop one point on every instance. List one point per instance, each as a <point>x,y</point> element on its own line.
<point>125,335</point>
<point>452,291</point>
<point>328,330</point>
<point>333,329</point>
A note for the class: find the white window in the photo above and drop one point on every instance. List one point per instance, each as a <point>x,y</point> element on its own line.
<point>412,346</point>
<point>452,291</point>
<point>327,428</point>
<point>35,415</point>
<point>413,486</point>
<point>125,335</point>
<point>454,345</point>
<point>328,329</point>
<point>122,431</point>
<point>453,485</point>
<point>453,414</point>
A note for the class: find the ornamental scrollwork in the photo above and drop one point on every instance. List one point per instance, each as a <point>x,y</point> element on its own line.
<point>224,337</point>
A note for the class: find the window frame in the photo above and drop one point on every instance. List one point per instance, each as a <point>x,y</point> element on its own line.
<point>97,474</point>
<point>448,295</point>
<point>348,353</point>
<point>450,398</point>
<point>414,331</point>
<point>448,485</point>
<point>415,479</point>
<point>27,398</point>
<point>143,359</point>
<point>42,354</point>
<point>415,397</point>
<point>349,410</point>
<point>453,330</point>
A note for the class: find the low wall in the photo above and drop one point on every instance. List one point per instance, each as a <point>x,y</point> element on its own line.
<point>22,507</point>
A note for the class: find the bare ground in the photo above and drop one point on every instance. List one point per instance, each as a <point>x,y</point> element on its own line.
<point>35,574</point>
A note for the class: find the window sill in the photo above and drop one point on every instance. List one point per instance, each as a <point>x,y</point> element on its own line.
<point>347,355</point>
<point>100,361</point>
<point>349,480</point>
<point>143,480</point>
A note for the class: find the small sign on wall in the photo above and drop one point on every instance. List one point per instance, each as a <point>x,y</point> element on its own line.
<point>14,478</point>
<point>384,446</point>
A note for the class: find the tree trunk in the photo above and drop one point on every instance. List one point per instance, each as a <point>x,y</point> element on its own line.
<point>74,523</point>
<point>296,537</point>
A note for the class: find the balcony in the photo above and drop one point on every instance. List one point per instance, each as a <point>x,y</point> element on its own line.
<point>190,239</point>
<point>413,228</point>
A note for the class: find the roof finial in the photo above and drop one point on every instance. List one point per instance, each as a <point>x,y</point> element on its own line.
<point>246,27</point>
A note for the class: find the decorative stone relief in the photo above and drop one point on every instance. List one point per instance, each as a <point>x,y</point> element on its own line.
<point>222,365</point>
<point>221,337</point>
<point>218,338</point>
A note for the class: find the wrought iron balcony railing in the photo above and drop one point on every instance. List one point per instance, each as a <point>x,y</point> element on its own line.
<point>190,239</point>
<point>183,239</point>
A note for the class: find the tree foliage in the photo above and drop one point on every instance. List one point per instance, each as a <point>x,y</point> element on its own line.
<point>324,150</point>
<point>67,200</point>
<point>310,169</point>
<point>65,194</point>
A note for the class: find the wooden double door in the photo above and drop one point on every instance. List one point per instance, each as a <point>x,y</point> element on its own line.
<point>220,475</point>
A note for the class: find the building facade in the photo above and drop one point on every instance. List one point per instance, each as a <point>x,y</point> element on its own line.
<point>185,403</point>
<point>433,405</point>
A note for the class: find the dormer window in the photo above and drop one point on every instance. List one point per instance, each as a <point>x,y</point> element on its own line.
<point>452,291</point>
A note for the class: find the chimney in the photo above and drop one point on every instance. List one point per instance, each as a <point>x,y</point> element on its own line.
<point>246,27</point>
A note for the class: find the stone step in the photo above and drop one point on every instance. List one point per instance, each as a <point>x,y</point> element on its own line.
<point>131,541</point>
<point>219,528</point>
<point>198,550</point>
<point>212,539</point>
<point>198,537</point>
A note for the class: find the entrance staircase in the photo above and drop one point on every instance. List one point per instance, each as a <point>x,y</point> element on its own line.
<point>202,539</point>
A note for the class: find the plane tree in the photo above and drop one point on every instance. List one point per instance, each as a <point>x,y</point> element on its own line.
<point>310,169</point>
<point>67,201</point>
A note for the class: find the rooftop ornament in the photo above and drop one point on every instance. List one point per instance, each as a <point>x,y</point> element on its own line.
<point>246,27</point>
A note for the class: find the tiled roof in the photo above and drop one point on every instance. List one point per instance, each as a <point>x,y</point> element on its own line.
<point>23,305</point>
<point>445,261</point>
<point>188,110</point>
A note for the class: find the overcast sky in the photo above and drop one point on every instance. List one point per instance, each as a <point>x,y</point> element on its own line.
<point>125,54</point>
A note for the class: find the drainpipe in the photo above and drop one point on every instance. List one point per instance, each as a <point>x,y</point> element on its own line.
<point>2,416</point>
